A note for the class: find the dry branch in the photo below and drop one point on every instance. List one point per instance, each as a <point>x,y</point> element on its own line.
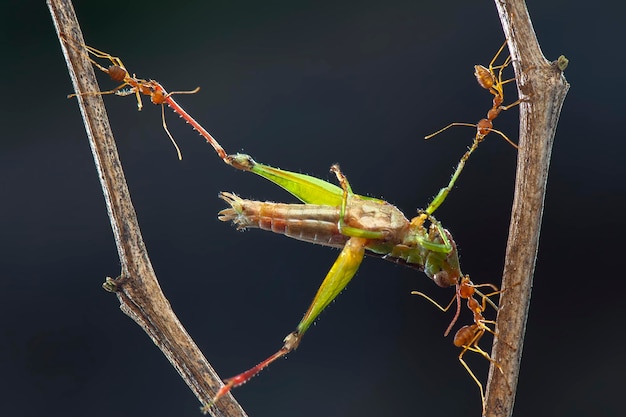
<point>137,287</point>
<point>542,87</point>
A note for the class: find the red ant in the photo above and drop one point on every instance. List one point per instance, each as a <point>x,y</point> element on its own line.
<point>467,337</point>
<point>487,79</point>
<point>137,86</point>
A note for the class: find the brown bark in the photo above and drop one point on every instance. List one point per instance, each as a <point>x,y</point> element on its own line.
<point>542,87</point>
<point>137,287</point>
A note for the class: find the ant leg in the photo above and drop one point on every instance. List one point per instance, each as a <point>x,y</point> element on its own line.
<point>448,127</point>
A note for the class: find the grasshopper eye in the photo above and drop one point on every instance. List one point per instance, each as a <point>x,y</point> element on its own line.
<point>442,279</point>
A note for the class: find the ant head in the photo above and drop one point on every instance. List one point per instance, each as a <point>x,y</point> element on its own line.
<point>157,96</point>
<point>483,127</point>
<point>466,287</point>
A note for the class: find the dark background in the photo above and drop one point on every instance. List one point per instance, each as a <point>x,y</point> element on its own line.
<point>301,86</point>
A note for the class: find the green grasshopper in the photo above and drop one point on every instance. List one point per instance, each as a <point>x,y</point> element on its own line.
<point>335,216</point>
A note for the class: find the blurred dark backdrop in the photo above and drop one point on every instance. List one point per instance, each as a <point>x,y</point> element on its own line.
<point>301,86</point>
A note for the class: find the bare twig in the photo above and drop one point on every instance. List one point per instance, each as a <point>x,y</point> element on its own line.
<point>137,288</point>
<point>542,87</point>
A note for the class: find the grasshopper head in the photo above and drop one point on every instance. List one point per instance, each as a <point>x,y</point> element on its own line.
<point>442,267</point>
